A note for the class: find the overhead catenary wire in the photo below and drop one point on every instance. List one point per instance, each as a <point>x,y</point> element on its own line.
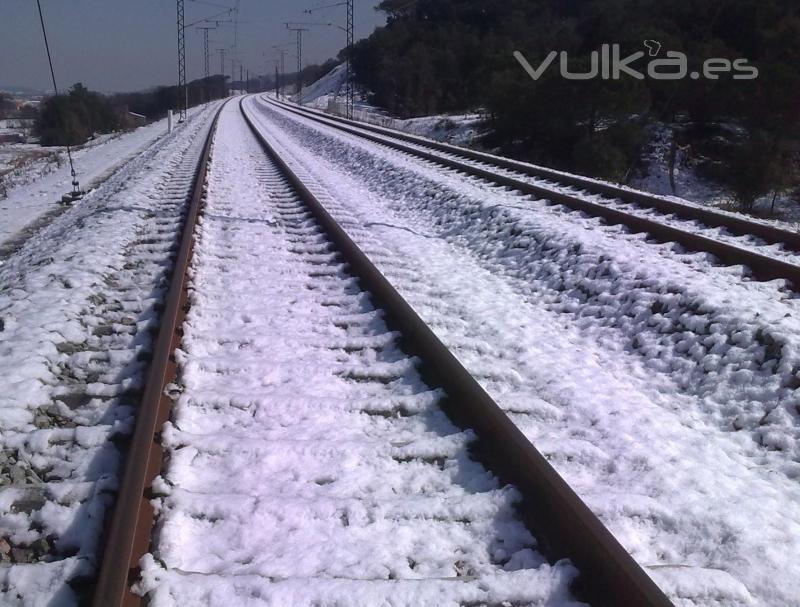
<point>75,184</point>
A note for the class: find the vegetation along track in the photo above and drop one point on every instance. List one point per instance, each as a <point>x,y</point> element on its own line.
<point>563,526</point>
<point>769,251</point>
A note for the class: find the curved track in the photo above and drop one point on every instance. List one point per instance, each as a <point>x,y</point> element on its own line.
<point>400,392</point>
<point>770,252</point>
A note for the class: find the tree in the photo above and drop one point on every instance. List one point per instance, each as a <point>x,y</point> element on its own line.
<point>7,106</point>
<point>436,56</point>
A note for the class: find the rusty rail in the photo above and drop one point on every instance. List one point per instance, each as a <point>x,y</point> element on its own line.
<point>562,523</point>
<point>128,537</point>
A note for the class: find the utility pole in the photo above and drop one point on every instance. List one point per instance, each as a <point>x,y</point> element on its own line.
<point>282,51</point>
<point>349,88</point>
<point>297,27</point>
<point>299,31</point>
<point>183,93</point>
<point>247,88</point>
<point>205,29</point>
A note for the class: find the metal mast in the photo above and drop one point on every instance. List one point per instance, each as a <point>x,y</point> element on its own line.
<point>350,87</point>
<point>183,93</point>
<point>206,65</point>
<point>281,49</point>
<point>299,31</point>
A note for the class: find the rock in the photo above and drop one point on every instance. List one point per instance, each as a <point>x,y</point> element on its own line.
<point>17,474</point>
<point>33,500</point>
<point>103,330</point>
<point>42,421</point>
<point>69,348</point>
<point>41,547</point>
<point>20,555</point>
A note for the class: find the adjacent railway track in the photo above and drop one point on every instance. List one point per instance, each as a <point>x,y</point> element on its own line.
<point>768,251</point>
<point>561,523</point>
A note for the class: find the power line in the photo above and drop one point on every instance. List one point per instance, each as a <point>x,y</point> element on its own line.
<point>76,192</point>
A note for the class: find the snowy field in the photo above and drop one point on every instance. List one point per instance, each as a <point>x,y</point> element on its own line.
<point>35,190</point>
<point>79,305</point>
<point>662,386</point>
<point>308,462</point>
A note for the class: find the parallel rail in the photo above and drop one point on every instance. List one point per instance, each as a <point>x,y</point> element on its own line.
<point>563,524</point>
<point>763,267</point>
<point>128,537</point>
<point>558,517</point>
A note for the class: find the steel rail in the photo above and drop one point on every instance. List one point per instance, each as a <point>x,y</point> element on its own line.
<point>736,225</point>
<point>609,576</point>
<point>763,267</point>
<point>128,536</point>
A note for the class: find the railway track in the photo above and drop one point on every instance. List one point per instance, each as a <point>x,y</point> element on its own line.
<point>321,443</point>
<point>768,251</point>
<point>82,299</point>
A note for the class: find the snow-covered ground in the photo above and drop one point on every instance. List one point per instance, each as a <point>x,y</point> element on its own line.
<point>465,130</point>
<point>308,462</point>
<point>689,184</point>
<point>327,94</point>
<point>662,386</point>
<point>78,306</point>
<point>554,184</point>
<point>34,192</point>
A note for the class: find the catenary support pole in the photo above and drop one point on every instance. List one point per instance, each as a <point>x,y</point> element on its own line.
<point>183,94</point>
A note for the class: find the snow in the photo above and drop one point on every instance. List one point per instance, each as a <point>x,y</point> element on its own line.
<point>308,464</point>
<point>35,191</point>
<point>663,387</point>
<point>78,305</point>
<point>330,85</point>
<point>692,185</point>
<point>745,243</point>
<point>327,94</point>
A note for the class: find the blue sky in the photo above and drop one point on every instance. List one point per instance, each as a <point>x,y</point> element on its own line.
<point>122,45</point>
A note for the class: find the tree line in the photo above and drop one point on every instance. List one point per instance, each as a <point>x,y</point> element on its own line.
<point>78,115</point>
<point>442,56</point>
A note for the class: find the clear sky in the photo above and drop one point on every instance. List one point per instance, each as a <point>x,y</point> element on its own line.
<point>126,45</point>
